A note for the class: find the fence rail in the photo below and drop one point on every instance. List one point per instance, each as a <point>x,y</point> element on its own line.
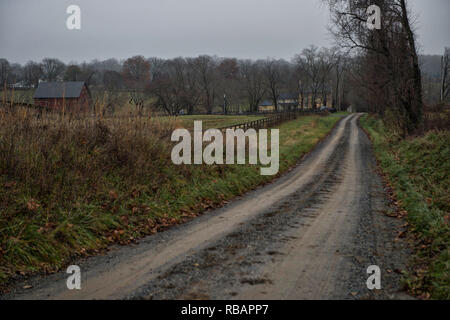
<point>269,122</point>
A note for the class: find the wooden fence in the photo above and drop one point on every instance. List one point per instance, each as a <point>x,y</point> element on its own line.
<point>268,122</point>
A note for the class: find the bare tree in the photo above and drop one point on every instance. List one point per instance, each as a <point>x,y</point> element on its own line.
<point>273,81</point>
<point>228,73</point>
<point>17,73</point>
<point>100,67</point>
<point>301,79</point>
<point>175,86</point>
<point>327,60</point>
<point>309,63</point>
<point>391,56</point>
<point>157,66</point>
<point>85,72</point>
<point>253,83</point>
<point>136,72</point>
<point>32,73</point>
<point>205,67</point>
<point>339,83</point>
<point>162,90</point>
<point>186,90</point>
<point>72,73</point>
<point>52,69</point>
<point>112,80</point>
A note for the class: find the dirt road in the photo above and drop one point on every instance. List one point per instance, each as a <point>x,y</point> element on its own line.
<point>310,235</point>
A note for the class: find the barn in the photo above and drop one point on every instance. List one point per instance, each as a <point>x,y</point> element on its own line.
<point>70,96</point>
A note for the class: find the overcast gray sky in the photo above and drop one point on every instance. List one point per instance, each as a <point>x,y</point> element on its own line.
<point>34,29</point>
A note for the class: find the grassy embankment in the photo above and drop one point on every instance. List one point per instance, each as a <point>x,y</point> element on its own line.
<point>71,187</point>
<point>418,170</point>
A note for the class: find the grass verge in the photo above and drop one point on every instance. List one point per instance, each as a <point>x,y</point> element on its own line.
<point>418,170</point>
<point>70,188</point>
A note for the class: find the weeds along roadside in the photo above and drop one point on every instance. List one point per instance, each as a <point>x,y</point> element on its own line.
<point>418,170</point>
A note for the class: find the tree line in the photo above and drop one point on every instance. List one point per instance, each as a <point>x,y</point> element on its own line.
<point>201,84</point>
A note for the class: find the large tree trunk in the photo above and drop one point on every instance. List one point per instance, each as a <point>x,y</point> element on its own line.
<point>416,106</point>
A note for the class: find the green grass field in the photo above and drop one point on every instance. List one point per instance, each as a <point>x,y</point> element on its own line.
<point>418,170</point>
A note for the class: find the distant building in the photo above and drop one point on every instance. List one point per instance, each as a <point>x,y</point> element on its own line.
<point>266,106</point>
<point>71,96</point>
<point>308,101</point>
<point>287,101</point>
